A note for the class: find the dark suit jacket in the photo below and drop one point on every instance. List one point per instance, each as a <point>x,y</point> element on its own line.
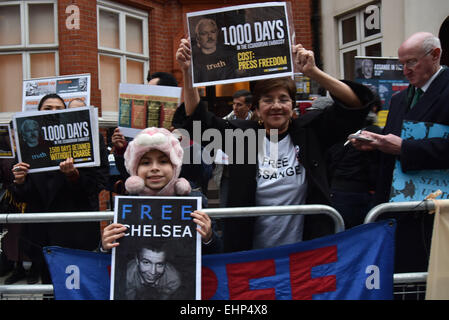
<point>313,132</point>
<point>416,154</point>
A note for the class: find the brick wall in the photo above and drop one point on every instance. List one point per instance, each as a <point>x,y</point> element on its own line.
<point>78,48</point>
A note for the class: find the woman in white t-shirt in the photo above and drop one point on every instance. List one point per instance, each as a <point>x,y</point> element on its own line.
<point>293,171</point>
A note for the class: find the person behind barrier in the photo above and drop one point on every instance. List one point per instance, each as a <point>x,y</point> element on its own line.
<point>241,109</point>
<point>153,160</point>
<point>241,106</point>
<point>103,169</point>
<point>197,174</point>
<point>425,100</point>
<point>353,176</point>
<point>298,174</point>
<point>67,190</point>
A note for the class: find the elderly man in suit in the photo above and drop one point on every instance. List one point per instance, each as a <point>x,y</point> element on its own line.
<point>425,100</point>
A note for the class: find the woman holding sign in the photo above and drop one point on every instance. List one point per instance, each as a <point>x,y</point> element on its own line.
<point>68,189</point>
<point>296,173</point>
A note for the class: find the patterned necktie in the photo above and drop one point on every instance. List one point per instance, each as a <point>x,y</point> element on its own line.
<point>418,94</point>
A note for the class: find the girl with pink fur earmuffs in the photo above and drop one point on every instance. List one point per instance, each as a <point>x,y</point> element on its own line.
<point>153,160</point>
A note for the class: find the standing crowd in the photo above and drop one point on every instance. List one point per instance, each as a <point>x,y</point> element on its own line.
<point>313,165</point>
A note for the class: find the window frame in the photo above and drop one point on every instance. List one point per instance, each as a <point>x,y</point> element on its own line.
<point>361,41</point>
<point>25,49</point>
<point>123,11</point>
<point>24,25</point>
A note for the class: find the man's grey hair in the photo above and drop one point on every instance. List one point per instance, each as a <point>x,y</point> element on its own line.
<point>202,22</point>
<point>430,43</point>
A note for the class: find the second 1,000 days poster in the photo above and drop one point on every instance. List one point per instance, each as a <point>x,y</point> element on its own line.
<point>46,138</point>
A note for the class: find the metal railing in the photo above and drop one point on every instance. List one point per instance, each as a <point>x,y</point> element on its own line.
<point>400,207</point>
<point>109,215</point>
<point>413,283</point>
<point>404,279</point>
<point>212,212</point>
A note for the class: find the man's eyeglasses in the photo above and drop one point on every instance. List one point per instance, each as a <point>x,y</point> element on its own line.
<point>413,62</point>
<point>271,102</point>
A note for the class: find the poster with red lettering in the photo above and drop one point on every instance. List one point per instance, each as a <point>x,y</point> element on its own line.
<point>68,87</point>
<point>44,139</point>
<point>159,257</point>
<point>241,43</point>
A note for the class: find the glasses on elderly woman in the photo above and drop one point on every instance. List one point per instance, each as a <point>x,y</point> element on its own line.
<point>271,102</point>
<point>413,62</point>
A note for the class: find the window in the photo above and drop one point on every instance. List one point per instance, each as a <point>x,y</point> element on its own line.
<point>123,53</point>
<point>28,48</point>
<point>360,34</point>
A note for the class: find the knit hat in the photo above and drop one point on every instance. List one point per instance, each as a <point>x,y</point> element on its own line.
<point>159,139</point>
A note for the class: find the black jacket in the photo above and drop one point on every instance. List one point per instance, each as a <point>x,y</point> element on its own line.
<point>52,192</point>
<point>416,154</point>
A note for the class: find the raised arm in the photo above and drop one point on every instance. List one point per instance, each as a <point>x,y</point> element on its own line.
<point>191,94</point>
<point>305,62</point>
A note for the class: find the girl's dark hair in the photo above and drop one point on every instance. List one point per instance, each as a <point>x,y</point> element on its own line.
<point>50,96</point>
<point>262,87</point>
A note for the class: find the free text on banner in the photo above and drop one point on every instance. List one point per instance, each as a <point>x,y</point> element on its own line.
<point>356,264</point>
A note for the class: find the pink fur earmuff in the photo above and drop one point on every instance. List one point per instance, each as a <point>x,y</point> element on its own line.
<point>160,139</point>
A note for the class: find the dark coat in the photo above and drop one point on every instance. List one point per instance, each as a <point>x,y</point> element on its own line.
<point>416,154</point>
<point>53,192</point>
<point>313,132</point>
<point>414,230</point>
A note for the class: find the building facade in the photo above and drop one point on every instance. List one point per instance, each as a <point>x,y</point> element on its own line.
<point>115,41</point>
<point>121,40</point>
<point>376,28</point>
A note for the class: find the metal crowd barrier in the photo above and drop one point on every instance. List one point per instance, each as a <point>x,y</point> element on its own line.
<point>109,215</point>
<point>403,207</point>
<point>406,284</point>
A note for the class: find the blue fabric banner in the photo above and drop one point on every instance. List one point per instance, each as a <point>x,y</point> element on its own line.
<point>356,264</point>
<point>78,274</point>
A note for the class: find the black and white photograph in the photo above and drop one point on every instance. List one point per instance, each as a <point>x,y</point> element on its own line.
<point>159,258</point>
<point>69,87</point>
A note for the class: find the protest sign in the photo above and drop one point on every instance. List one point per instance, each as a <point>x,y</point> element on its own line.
<point>383,76</point>
<point>240,43</point>
<point>46,138</point>
<point>142,106</point>
<point>6,142</point>
<point>437,284</point>
<point>416,185</point>
<point>68,87</point>
<point>160,255</point>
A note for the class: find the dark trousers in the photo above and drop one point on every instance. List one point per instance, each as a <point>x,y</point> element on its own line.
<point>352,206</point>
